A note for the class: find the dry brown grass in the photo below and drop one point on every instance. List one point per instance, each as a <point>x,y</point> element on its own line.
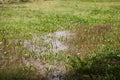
<point>88,39</point>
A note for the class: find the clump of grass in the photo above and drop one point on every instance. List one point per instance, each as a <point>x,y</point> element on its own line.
<point>102,65</point>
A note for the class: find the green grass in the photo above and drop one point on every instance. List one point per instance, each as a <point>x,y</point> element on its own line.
<point>96,24</point>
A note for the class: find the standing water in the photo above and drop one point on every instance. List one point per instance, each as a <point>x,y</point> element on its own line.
<point>46,44</point>
<point>55,41</point>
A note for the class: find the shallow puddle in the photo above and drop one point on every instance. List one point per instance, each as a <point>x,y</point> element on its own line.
<point>49,43</point>
<point>46,44</point>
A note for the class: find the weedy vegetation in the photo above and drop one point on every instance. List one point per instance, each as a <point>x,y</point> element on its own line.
<point>93,48</point>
